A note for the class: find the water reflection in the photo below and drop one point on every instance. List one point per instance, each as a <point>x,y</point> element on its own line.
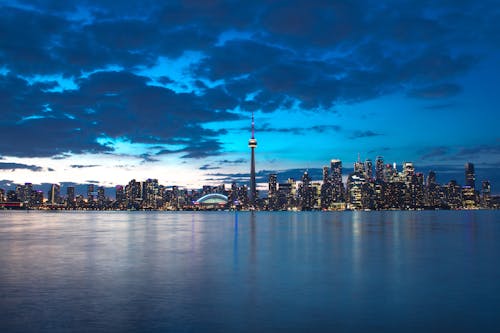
<point>249,271</point>
<point>235,242</point>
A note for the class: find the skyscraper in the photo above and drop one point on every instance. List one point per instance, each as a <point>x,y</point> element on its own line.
<point>336,179</point>
<point>272,191</point>
<point>90,192</point>
<point>486,193</point>
<point>368,169</point>
<point>54,194</point>
<point>470,177</point>
<point>252,143</point>
<point>379,168</point>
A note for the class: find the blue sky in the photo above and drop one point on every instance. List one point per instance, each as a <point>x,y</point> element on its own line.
<point>95,91</point>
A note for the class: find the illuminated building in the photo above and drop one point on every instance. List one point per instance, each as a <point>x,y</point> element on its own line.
<point>326,189</point>
<point>70,196</point>
<point>355,183</point>
<point>432,197</point>
<point>336,181</point>
<point>272,191</point>
<point>101,198</point>
<point>368,169</point>
<point>90,192</point>
<point>212,201</point>
<point>379,168</point>
<point>486,197</point>
<point>54,195</point>
<point>306,192</point>
<point>453,194</point>
<point>468,197</point>
<point>119,193</point>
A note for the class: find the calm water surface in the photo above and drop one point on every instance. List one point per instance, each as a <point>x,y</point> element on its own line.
<point>244,272</point>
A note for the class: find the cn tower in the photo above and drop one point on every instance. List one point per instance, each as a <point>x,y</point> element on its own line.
<point>252,143</point>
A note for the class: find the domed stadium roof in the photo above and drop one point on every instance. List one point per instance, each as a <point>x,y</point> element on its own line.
<point>212,199</point>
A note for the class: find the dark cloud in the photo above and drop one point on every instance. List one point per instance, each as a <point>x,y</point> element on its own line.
<point>471,153</point>
<point>478,150</point>
<point>208,167</point>
<point>81,166</point>
<point>268,128</point>
<point>122,106</point>
<point>14,166</point>
<point>435,153</point>
<point>363,134</point>
<point>148,158</point>
<point>237,161</point>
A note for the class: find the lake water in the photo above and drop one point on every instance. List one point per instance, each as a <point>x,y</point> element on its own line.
<point>250,272</point>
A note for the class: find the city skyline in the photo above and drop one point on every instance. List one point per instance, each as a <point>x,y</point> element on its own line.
<point>370,186</point>
<point>101,93</point>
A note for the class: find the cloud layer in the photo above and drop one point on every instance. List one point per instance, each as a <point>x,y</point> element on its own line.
<point>81,77</point>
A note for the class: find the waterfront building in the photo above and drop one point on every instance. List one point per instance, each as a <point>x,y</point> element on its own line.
<point>468,197</point>
<point>70,196</point>
<point>453,194</point>
<point>272,191</point>
<point>486,194</point>
<point>306,195</point>
<point>101,197</point>
<point>90,193</point>
<point>326,189</point>
<point>54,195</point>
<point>355,184</point>
<point>432,191</point>
<point>36,198</point>
<point>119,193</point>
<point>24,194</point>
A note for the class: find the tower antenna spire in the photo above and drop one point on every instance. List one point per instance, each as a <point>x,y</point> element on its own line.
<point>253,127</point>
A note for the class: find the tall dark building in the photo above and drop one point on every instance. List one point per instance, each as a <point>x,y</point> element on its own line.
<point>306,192</point>
<point>379,168</point>
<point>70,194</point>
<point>252,143</point>
<point>470,177</point>
<point>486,199</point>
<point>368,169</point>
<point>336,176</point>
<point>325,174</point>
<point>431,178</point>
<point>273,185</point>
<point>272,191</point>
<point>54,194</point>
<point>90,192</point>
<point>119,193</point>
